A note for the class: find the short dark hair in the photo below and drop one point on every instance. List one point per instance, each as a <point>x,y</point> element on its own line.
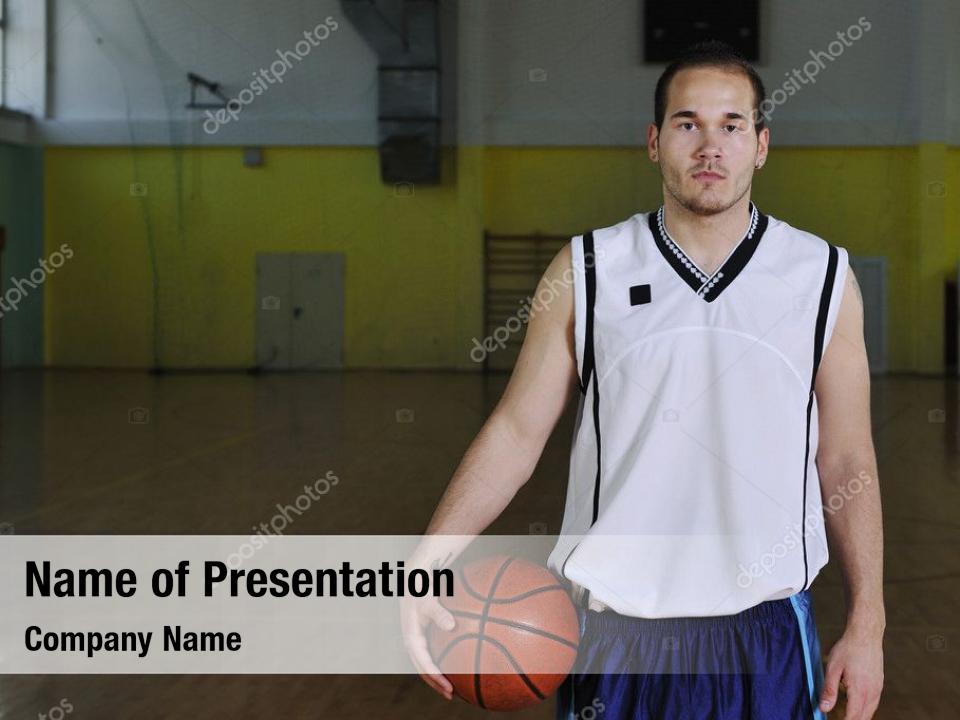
<point>711,53</point>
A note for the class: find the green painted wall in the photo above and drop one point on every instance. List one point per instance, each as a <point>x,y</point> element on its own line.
<point>21,214</point>
<point>168,277</point>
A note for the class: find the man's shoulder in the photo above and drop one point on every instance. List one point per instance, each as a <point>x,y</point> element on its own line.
<point>621,237</point>
<point>787,235</point>
<point>624,228</point>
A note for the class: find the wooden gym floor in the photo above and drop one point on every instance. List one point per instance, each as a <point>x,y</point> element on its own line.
<point>130,453</point>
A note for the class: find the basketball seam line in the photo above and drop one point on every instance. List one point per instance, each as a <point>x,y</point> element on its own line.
<point>515,598</point>
<point>482,622</point>
<point>518,626</point>
<point>506,653</point>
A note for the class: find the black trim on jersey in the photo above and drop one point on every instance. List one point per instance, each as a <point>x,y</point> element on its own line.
<point>738,260</point>
<point>825,294</point>
<point>590,363</point>
<point>590,371</point>
<point>709,287</point>
<point>590,278</point>
<point>690,275</point>
<point>596,426</point>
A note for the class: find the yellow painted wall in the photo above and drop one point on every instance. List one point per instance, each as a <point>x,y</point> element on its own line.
<point>564,191</point>
<point>414,264</point>
<point>863,199</point>
<point>951,200</point>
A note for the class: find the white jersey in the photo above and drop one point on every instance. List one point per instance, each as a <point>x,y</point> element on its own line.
<point>693,486</point>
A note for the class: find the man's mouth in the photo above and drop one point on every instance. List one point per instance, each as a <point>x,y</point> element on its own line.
<point>707,176</point>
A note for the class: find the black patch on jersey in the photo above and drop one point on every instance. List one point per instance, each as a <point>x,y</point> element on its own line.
<point>639,295</point>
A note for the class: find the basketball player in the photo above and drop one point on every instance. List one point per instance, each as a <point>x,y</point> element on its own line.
<point>723,428</point>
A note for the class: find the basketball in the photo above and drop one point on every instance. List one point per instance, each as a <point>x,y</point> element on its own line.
<point>510,613</point>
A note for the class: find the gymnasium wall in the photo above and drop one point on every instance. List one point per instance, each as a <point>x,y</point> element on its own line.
<point>167,278</point>
<point>422,308</point>
<point>952,203</point>
<point>550,101</point>
<point>21,215</point>
<point>527,72</point>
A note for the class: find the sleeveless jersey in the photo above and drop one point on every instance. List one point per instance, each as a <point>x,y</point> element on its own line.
<point>693,487</point>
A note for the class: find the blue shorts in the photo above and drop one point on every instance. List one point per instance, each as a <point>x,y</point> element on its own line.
<point>761,664</point>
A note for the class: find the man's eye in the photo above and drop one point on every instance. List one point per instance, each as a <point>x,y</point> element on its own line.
<point>732,128</point>
<point>684,125</point>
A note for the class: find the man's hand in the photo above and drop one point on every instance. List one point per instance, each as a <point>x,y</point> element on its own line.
<point>856,663</point>
<point>415,615</point>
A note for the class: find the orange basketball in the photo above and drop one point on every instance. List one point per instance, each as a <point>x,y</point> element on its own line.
<point>509,613</point>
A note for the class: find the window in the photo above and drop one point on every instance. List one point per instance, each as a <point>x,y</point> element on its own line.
<point>23,57</point>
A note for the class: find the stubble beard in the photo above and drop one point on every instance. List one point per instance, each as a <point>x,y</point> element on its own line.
<point>703,206</point>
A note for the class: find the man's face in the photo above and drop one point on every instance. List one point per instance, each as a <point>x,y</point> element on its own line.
<point>707,147</point>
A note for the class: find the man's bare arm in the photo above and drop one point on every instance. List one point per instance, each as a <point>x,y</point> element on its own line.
<point>506,450</point>
<point>846,454</point>
<point>847,466</point>
<point>502,456</point>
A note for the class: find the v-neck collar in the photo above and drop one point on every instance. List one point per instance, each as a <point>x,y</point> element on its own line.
<point>707,286</point>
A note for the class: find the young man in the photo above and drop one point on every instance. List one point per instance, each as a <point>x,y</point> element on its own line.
<point>724,403</point>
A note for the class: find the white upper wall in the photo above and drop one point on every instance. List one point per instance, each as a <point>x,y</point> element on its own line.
<point>598,91</point>
<point>528,72</point>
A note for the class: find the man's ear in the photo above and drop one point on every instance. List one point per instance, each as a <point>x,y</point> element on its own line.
<point>763,145</point>
<point>653,142</point>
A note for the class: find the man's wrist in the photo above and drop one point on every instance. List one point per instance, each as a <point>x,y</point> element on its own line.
<point>867,623</point>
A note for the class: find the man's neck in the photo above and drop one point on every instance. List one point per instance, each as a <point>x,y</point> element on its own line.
<point>707,239</point>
